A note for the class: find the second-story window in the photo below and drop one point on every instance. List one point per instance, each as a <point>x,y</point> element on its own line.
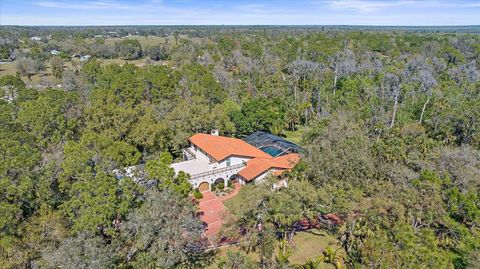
<point>228,162</point>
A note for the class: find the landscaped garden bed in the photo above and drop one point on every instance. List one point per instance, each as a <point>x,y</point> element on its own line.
<point>221,190</point>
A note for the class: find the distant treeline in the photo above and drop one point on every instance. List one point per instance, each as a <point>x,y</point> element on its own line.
<point>201,30</point>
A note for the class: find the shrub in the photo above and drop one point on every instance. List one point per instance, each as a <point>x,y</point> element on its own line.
<point>197,194</point>
<point>229,184</point>
<point>221,186</point>
<point>213,187</point>
<point>157,53</point>
<point>129,49</point>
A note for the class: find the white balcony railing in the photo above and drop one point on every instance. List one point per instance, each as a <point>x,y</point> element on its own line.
<point>217,171</point>
<point>189,154</point>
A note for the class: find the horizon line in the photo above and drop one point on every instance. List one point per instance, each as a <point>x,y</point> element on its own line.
<point>338,25</point>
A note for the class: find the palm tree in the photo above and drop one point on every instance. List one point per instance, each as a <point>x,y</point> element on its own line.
<point>293,118</point>
<point>277,128</point>
<point>332,257</point>
<point>310,264</point>
<point>285,251</point>
<point>329,256</point>
<point>282,222</point>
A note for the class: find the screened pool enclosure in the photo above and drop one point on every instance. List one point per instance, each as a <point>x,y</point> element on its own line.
<point>272,144</point>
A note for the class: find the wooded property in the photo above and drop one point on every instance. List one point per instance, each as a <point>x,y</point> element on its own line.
<point>383,125</point>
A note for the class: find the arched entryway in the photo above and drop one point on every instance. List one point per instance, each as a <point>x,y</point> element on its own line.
<point>219,180</point>
<point>219,184</point>
<point>204,186</point>
<point>234,178</point>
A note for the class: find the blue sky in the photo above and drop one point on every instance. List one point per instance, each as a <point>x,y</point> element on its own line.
<point>281,12</point>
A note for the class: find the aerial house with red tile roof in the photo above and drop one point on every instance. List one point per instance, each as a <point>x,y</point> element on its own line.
<point>212,158</point>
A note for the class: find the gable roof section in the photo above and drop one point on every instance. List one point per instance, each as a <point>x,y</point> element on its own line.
<point>258,166</point>
<point>221,147</point>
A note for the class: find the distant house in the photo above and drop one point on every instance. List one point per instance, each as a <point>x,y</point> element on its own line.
<point>98,36</point>
<point>212,159</point>
<point>36,38</point>
<point>112,34</point>
<point>9,94</point>
<point>12,56</point>
<point>55,52</point>
<point>85,58</point>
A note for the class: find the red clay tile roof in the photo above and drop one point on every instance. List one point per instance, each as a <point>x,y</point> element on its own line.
<point>258,166</point>
<point>221,147</point>
<point>254,168</point>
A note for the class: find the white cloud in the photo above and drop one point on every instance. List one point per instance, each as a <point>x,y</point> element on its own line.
<point>375,5</point>
<point>364,5</point>
<point>91,5</point>
<point>253,8</point>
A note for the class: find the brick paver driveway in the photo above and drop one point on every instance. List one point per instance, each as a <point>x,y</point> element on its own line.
<point>213,212</point>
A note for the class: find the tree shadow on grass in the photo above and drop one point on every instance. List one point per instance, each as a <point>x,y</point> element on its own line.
<point>315,232</point>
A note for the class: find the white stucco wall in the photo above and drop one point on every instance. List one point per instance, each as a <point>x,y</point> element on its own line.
<point>199,154</point>
<point>261,177</point>
<point>233,161</point>
<point>204,159</point>
<point>225,175</point>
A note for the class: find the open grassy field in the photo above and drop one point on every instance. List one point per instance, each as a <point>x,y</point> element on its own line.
<point>145,41</point>
<point>310,244</point>
<point>139,62</point>
<point>9,68</point>
<point>149,41</point>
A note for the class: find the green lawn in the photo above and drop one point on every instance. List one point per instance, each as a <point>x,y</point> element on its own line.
<point>222,252</point>
<point>295,136</point>
<point>310,244</point>
<point>236,204</point>
<point>307,245</point>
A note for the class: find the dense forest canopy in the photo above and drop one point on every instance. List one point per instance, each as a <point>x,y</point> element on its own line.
<point>389,120</point>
